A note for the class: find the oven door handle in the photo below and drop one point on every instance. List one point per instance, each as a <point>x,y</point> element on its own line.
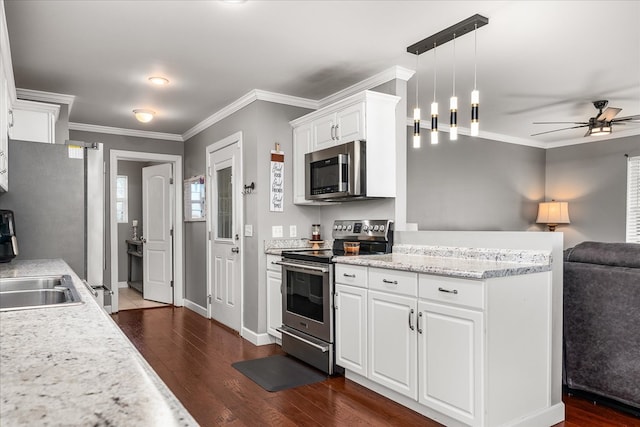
<point>302,266</point>
<point>324,349</point>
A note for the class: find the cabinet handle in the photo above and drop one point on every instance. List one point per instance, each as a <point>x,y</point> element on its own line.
<point>411,320</point>
<point>335,301</point>
<point>391,282</point>
<point>3,171</point>
<point>333,134</point>
<point>455,291</point>
<point>349,275</point>
<point>10,118</point>
<point>337,137</point>
<point>419,322</point>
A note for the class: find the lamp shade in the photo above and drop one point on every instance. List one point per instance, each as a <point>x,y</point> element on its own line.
<point>553,213</point>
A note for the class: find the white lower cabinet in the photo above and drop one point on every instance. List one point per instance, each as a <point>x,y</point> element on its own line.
<point>274,295</point>
<point>393,356</point>
<point>351,328</point>
<point>450,356</point>
<point>461,351</point>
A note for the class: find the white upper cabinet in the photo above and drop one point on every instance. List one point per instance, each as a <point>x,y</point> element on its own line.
<point>368,116</point>
<point>33,121</point>
<point>4,138</point>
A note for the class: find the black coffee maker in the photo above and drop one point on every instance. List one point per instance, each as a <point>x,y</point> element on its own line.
<point>8,241</point>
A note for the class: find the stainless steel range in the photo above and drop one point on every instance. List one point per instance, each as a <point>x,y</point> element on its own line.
<point>307,298</point>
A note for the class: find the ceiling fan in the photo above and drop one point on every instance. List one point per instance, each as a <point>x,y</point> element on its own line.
<point>599,125</point>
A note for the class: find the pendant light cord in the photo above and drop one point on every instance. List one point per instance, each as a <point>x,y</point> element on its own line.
<point>454,64</point>
<point>475,56</point>
<point>417,79</point>
<point>435,71</point>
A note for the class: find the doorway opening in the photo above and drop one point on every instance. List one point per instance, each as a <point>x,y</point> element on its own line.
<point>163,247</point>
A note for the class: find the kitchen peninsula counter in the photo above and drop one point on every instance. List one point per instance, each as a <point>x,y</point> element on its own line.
<point>469,263</point>
<point>73,365</point>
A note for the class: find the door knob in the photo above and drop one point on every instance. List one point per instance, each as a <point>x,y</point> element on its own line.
<point>235,250</point>
<point>143,240</point>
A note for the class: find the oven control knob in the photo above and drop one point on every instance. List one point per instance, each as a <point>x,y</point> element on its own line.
<point>349,227</point>
<point>335,227</point>
<point>375,228</point>
<point>365,228</point>
<point>382,228</point>
<point>339,227</point>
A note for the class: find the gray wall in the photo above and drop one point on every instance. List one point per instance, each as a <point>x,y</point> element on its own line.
<point>46,193</point>
<point>474,184</point>
<point>133,170</point>
<point>592,178</point>
<point>127,143</point>
<point>262,124</point>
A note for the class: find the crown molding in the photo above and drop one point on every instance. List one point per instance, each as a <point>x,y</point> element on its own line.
<point>395,72</point>
<point>254,95</point>
<point>125,132</point>
<point>51,97</point>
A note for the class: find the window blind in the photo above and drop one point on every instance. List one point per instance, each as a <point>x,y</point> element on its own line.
<point>633,200</point>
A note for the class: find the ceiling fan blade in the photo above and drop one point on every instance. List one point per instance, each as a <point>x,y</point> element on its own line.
<point>626,119</point>
<point>560,123</point>
<point>608,114</point>
<point>556,130</point>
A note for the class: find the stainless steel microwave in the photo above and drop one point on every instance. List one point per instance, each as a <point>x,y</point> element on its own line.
<point>336,173</point>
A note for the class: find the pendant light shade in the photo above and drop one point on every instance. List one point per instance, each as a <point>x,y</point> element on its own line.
<point>475,95</point>
<point>434,123</point>
<point>453,101</point>
<point>434,104</point>
<point>416,113</point>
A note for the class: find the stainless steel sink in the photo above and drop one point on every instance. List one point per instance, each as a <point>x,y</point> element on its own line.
<point>20,293</point>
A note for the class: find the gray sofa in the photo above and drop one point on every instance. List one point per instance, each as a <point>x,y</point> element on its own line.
<point>602,322</point>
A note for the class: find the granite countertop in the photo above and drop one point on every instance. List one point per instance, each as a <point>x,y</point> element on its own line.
<point>470,263</point>
<point>74,366</point>
<point>276,246</point>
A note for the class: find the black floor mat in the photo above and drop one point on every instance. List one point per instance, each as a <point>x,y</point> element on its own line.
<point>279,372</point>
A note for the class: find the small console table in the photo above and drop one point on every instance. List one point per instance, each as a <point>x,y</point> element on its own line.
<point>134,250</point>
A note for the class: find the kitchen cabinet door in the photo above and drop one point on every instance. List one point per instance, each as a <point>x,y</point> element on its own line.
<point>274,302</point>
<point>4,128</point>
<point>301,146</point>
<point>350,123</point>
<point>33,121</point>
<point>450,343</point>
<point>351,328</point>
<point>324,132</point>
<point>393,345</point>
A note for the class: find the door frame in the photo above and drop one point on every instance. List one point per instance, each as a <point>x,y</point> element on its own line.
<point>229,140</point>
<point>178,240</point>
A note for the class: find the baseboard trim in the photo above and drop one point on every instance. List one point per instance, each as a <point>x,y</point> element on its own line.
<point>195,307</point>
<point>257,339</point>
<point>123,285</point>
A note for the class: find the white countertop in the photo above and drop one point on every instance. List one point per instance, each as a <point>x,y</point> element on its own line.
<point>456,262</point>
<point>74,366</point>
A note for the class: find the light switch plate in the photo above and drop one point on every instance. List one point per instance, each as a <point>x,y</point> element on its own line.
<point>248,230</point>
<point>276,231</point>
<point>293,231</point>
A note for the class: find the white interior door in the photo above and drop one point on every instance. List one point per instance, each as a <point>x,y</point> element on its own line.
<point>225,219</point>
<point>157,255</point>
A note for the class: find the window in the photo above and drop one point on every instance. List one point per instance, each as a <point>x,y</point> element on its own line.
<point>194,199</point>
<point>122,198</point>
<point>633,200</point>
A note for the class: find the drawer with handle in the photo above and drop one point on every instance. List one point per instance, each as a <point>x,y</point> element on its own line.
<point>396,281</point>
<point>354,275</point>
<point>272,262</point>
<point>450,290</point>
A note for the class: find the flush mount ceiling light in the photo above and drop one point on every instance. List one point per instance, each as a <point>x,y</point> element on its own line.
<point>159,81</point>
<point>144,116</point>
<point>438,39</point>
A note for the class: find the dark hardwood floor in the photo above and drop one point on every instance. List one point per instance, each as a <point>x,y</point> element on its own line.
<point>193,356</point>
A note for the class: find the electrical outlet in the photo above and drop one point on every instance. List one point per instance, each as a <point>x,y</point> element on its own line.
<point>276,231</point>
<point>293,231</point>
<point>248,230</point>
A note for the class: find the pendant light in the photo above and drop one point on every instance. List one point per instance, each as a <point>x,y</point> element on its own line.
<point>416,112</point>
<point>434,104</point>
<point>475,95</point>
<point>453,101</point>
